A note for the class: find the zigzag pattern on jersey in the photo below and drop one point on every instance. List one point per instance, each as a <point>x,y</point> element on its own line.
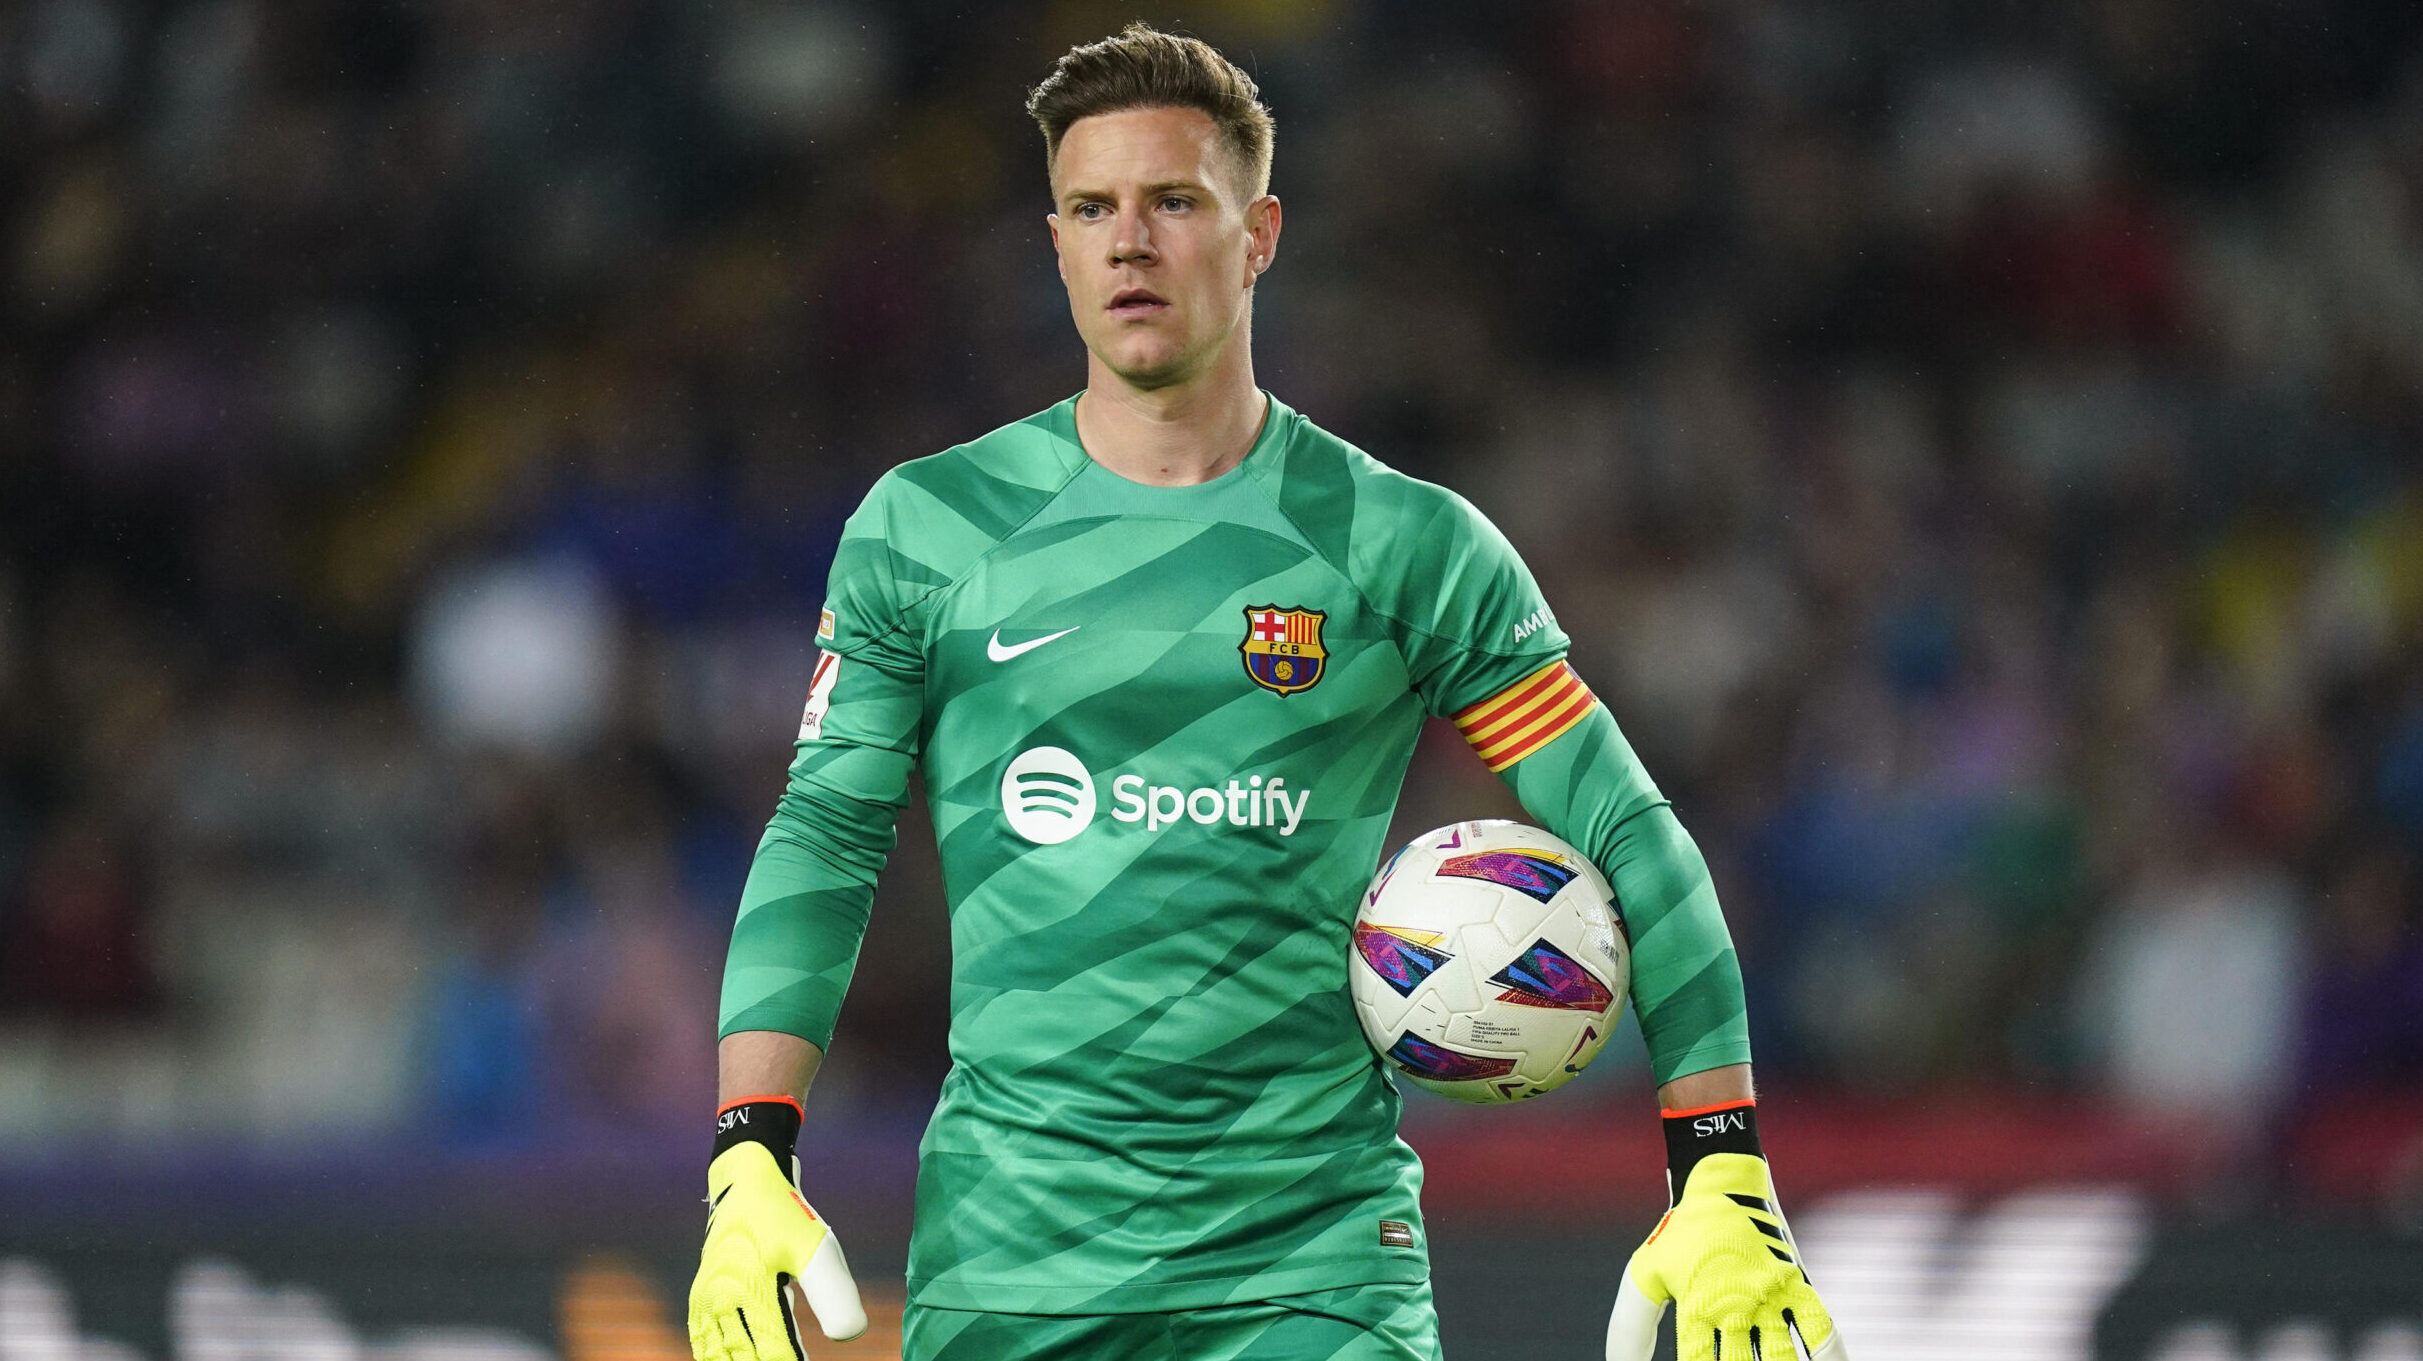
<point>1211,1076</point>
<point>1525,716</point>
<point>1161,1098</point>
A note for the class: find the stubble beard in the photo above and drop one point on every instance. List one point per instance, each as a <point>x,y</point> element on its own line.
<point>1151,366</point>
<point>1173,365</point>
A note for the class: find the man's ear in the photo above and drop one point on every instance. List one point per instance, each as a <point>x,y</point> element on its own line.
<point>1052,222</point>
<point>1262,224</point>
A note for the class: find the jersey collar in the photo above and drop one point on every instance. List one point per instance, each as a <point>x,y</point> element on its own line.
<point>1277,425</point>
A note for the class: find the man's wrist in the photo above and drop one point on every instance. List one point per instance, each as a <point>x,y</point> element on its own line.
<point>769,1120</point>
<point>1696,1133</point>
<point>1716,1086</point>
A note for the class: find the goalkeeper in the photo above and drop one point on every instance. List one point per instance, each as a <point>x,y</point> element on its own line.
<point>1161,654</point>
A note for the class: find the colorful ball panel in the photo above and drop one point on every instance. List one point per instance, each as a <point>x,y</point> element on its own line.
<point>1488,962</point>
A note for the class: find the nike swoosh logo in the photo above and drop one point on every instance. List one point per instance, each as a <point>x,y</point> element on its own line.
<point>997,652</point>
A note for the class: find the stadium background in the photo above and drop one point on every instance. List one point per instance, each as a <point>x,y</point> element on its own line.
<point>1974,448</point>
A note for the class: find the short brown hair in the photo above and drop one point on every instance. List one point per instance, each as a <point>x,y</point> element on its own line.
<point>1144,68</point>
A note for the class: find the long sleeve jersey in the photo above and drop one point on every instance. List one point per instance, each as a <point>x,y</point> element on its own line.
<point>1162,731</point>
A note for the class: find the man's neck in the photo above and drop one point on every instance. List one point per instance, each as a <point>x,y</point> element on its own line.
<point>1170,437</point>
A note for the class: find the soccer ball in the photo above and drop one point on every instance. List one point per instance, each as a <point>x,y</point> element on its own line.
<point>1489,961</point>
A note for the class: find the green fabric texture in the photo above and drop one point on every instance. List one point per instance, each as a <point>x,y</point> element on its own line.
<point>1360,1323</point>
<point>1153,840</point>
<point>1589,788</point>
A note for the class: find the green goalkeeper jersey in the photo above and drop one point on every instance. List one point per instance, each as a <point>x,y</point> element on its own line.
<point>1162,731</point>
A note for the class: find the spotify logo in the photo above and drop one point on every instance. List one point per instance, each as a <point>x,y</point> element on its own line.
<point>1047,795</point>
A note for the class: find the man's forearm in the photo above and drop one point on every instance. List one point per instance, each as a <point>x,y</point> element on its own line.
<point>1588,787</point>
<point>764,1063</point>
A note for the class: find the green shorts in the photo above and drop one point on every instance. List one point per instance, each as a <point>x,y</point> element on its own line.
<point>1391,1322</point>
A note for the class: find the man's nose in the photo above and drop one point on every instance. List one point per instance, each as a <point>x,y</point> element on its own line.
<point>1133,242</point>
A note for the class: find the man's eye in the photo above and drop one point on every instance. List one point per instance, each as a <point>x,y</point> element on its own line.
<point>1173,204</point>
<point>1090,211</point>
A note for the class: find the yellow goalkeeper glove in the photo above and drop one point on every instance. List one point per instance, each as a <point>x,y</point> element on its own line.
<point>762,1241</point>
<point>1723,1255</point>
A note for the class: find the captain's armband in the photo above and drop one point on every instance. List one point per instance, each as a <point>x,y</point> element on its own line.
<point>1526,716</point>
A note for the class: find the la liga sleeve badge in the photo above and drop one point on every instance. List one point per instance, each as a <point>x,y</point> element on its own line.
<point>1283,651</point>
<point>820,696</point>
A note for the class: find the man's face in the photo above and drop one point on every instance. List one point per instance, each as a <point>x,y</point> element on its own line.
<point>1157,244</point>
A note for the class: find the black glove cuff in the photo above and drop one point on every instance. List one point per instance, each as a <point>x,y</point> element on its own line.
<point>769,1120</point>
<point>1694,1134</point>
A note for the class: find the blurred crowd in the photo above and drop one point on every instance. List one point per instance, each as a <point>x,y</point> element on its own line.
<point>1977,450</point>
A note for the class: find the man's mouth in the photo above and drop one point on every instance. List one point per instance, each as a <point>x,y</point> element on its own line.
<point>1132,303</point>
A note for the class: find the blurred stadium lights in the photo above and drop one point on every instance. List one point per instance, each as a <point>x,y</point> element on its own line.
<point>518,653</point>
<point>1913,1279</point>
<point>38,1320</point>
<point>2301,1340</point>
<point>218,1313</point>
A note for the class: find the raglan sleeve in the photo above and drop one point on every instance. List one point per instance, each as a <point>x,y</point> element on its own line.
<point>803,910</point>
<point>1483,649</point>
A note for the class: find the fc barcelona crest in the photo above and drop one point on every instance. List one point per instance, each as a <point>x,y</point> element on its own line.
<point>1282,648</point>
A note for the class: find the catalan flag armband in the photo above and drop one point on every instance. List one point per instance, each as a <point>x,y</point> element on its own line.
<point>1526,716</point>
